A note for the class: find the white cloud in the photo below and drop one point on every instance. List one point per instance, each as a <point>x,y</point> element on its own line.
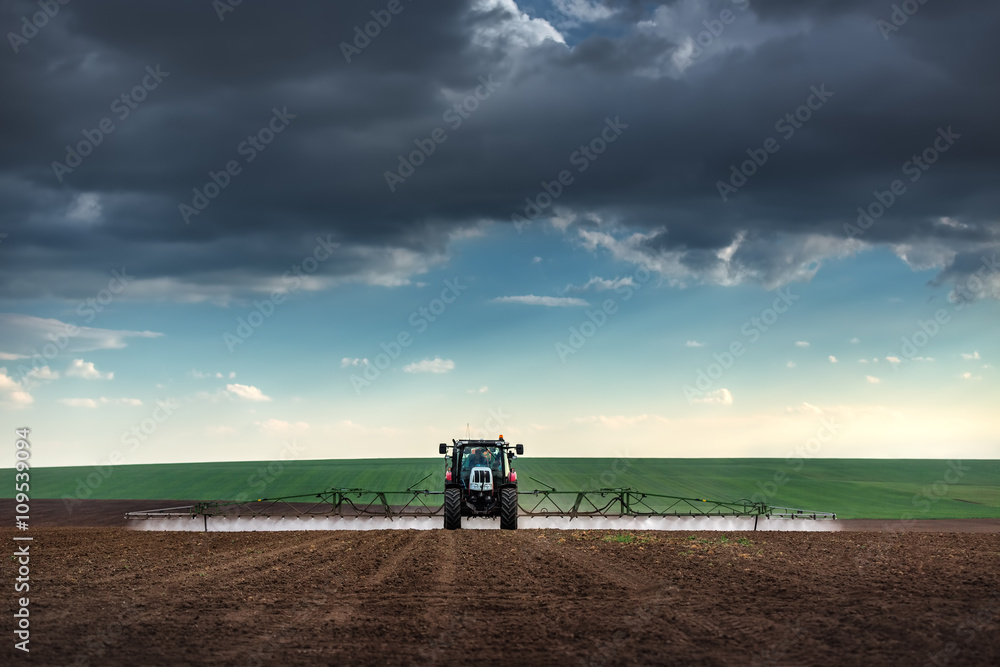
<point>27,332</point>
<point>945,221</point>
<point>132,402</point>
<point>12,393</point>
<point>92,403</point>
<point>217,375</point>
<point>970,376</point>
<point>42,373</point>
<point>79,368</point>
<point>805,409</point>
<point>585,11</point>
<point>694,343</point>
<point>800,259</point>
<point>536,260</point>
<point>220,430</point>
<point>247,392</point>
<point>832,359</point>
<point>801,343</point>
<point>353,361</point>
<point>562,218</point>
<point>511,27</point>
<point>481,390</point>
<point>893,360</point>
<point>79,402</point>
<point>717,397</point>
<point>855,340</point>
<point>790,364</point>
<point>872,379</point>
<point>971,357</point>
<point>86,207</point>
<point>281,428</point>
<point>550,301</point>
<point>600,284</point>
<point>862,361</point>
<point>7,356</point>
<point>436,365</point>
<point>923,255</point>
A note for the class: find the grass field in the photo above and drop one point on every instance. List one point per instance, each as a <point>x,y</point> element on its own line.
<point>853,488</point>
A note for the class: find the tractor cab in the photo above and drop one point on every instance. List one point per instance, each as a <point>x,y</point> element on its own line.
<point>480,480</point>
<point>483,464</point>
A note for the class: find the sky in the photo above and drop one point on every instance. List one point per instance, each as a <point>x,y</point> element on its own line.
<point>695,228</point>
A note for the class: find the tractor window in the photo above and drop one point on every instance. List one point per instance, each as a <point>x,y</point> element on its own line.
<point>480,456</point>
<point>490,457</point>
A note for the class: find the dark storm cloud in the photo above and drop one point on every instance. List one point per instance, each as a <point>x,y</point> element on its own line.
<point>324,173</point>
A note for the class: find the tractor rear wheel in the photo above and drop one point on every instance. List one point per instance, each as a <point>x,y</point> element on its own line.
<point>508,509</point>
<point>452,509</point>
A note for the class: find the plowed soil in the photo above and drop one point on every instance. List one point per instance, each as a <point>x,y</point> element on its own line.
<point>108,596</point>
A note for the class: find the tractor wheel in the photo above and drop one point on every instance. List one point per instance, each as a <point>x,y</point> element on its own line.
<point>452,509</point>
<point>508,509</point>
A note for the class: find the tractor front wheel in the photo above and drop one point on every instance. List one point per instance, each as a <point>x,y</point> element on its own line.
<point>452,509</point>
<point>508,509</point>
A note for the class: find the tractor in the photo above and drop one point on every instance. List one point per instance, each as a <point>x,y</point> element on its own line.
<point>480,480</point>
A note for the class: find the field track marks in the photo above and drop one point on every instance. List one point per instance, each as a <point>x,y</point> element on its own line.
<point>209,552</point>
<point>441,619</point>
<point>594,567</point>
<point>409,599</point>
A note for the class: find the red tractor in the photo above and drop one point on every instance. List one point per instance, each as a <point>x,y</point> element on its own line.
<point>480,481</point>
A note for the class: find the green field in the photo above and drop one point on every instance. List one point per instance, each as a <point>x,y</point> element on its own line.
<point>853,488</point>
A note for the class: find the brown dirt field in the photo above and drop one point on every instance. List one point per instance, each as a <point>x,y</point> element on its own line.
<point>108,596</point>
